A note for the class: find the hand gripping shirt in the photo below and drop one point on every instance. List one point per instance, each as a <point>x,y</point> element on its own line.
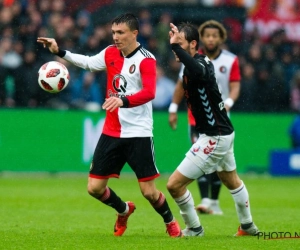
<point>202,94</point>
<point>132,77</point>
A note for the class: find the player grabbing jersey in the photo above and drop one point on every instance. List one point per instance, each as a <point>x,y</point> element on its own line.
<point>127,134</point>
<point>213,151</point>
<point>226,64</point>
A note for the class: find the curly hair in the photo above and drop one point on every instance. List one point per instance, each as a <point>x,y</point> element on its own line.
<point>215,25</point>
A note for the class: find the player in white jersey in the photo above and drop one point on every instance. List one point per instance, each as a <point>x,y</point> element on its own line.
<point>127,134</point>
<point>226,65</point>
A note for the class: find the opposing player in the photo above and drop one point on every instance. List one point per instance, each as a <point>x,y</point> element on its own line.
<point>213,151</point>
<point>226,64</point>
<point>127,135</point>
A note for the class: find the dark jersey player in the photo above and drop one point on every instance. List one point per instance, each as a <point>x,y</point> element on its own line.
<point>213,151</point>
<point>226,64</point>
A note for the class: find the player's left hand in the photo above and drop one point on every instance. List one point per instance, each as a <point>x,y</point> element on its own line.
<point>112,103</point>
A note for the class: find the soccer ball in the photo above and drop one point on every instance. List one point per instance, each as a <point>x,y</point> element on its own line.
<point>53,77</point>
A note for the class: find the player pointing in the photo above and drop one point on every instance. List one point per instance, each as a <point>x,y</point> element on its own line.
<point>213,151</point>
<point>127,135</point>
<point>226,65</point>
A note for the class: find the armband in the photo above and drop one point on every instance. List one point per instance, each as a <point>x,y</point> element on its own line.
<point>173,107</point>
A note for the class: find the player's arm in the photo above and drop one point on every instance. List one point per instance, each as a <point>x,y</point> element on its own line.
<point>146,94</point>
<point>176,100</point>
<point>234,85</point>
<point>196,68</point>
<point>234,92</point>
<point>91,63</point>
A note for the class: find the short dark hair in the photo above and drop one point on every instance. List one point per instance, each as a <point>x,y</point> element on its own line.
<point>215,25</point>
<point>190,32</point>
<point>130,19</point>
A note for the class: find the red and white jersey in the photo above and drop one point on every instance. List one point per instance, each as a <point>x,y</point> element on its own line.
<point>132,76</point>
<point>226,70</point>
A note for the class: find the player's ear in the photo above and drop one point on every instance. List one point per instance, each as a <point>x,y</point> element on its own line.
<point>193,44</point>
<point>135,32</point>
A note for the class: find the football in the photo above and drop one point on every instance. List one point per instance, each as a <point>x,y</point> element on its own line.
<point>53,77</point>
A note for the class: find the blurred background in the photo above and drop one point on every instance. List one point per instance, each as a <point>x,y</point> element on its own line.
<point>264,34</point>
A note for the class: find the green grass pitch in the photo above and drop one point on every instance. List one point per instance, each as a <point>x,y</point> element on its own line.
<point>55,212</point>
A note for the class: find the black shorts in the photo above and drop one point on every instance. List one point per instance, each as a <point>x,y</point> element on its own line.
<point>112,153</point>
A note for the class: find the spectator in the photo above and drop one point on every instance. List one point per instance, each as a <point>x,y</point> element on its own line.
<point>294,132</point>
<point>164,90</point>
<point>86,92</point>
<point>295,92</point>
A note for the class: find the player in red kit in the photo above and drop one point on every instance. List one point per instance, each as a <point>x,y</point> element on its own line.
<point>226,65</point>
<point>127,134</point>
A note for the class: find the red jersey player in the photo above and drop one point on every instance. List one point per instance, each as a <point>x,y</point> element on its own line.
<point>226,65</point>
<point>127,134</point>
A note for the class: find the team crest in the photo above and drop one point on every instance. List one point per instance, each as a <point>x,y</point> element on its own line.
<point>132,69</point>
<point>223,69</point>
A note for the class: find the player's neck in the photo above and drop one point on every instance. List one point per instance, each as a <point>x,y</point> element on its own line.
<point>126,51</point>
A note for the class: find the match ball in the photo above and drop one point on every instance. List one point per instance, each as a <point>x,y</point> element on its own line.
<point>53,77</point>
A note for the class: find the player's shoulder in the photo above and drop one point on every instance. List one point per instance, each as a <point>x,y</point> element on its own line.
<point>227,53</point>
<point>111,49</point>
<point>145,53</point>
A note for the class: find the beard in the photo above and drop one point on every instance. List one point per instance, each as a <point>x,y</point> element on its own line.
<point>212,51</point>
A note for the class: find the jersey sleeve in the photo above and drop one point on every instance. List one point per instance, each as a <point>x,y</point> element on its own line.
<point>148,78</point>
<point>235,74</point>
<point>196,68</point>
<point>91,63</point>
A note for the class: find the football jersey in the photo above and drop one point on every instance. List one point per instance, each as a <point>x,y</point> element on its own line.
<point>203,95</point>
<point>226,69</point>
<point>132,77</point>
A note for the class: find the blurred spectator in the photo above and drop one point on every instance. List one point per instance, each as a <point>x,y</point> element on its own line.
<point>86,93</point>
<point>27,91</point>
<point>295,92</point>
<point>164,90</point>
<point>294,132</point>
<point>268,66</point>
<point>247,98</point>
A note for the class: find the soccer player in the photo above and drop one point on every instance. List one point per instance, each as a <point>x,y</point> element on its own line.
<point>127,135</point>
<point>212,35</point>
<point>213,151</point>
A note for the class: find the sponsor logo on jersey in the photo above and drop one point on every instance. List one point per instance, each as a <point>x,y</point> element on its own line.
<point>119,83</point>
<point>132,69</point>
<point>223,69</point>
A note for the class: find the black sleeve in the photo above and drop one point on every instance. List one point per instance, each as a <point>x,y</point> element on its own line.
<point>61,53</point>
<point>195,67</point>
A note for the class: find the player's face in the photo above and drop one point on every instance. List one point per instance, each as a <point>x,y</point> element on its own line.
<point>124,38</point>
<point>183,44</point>
<point>211,39</point>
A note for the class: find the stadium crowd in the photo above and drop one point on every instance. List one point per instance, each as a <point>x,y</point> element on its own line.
<point>270,69</point>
